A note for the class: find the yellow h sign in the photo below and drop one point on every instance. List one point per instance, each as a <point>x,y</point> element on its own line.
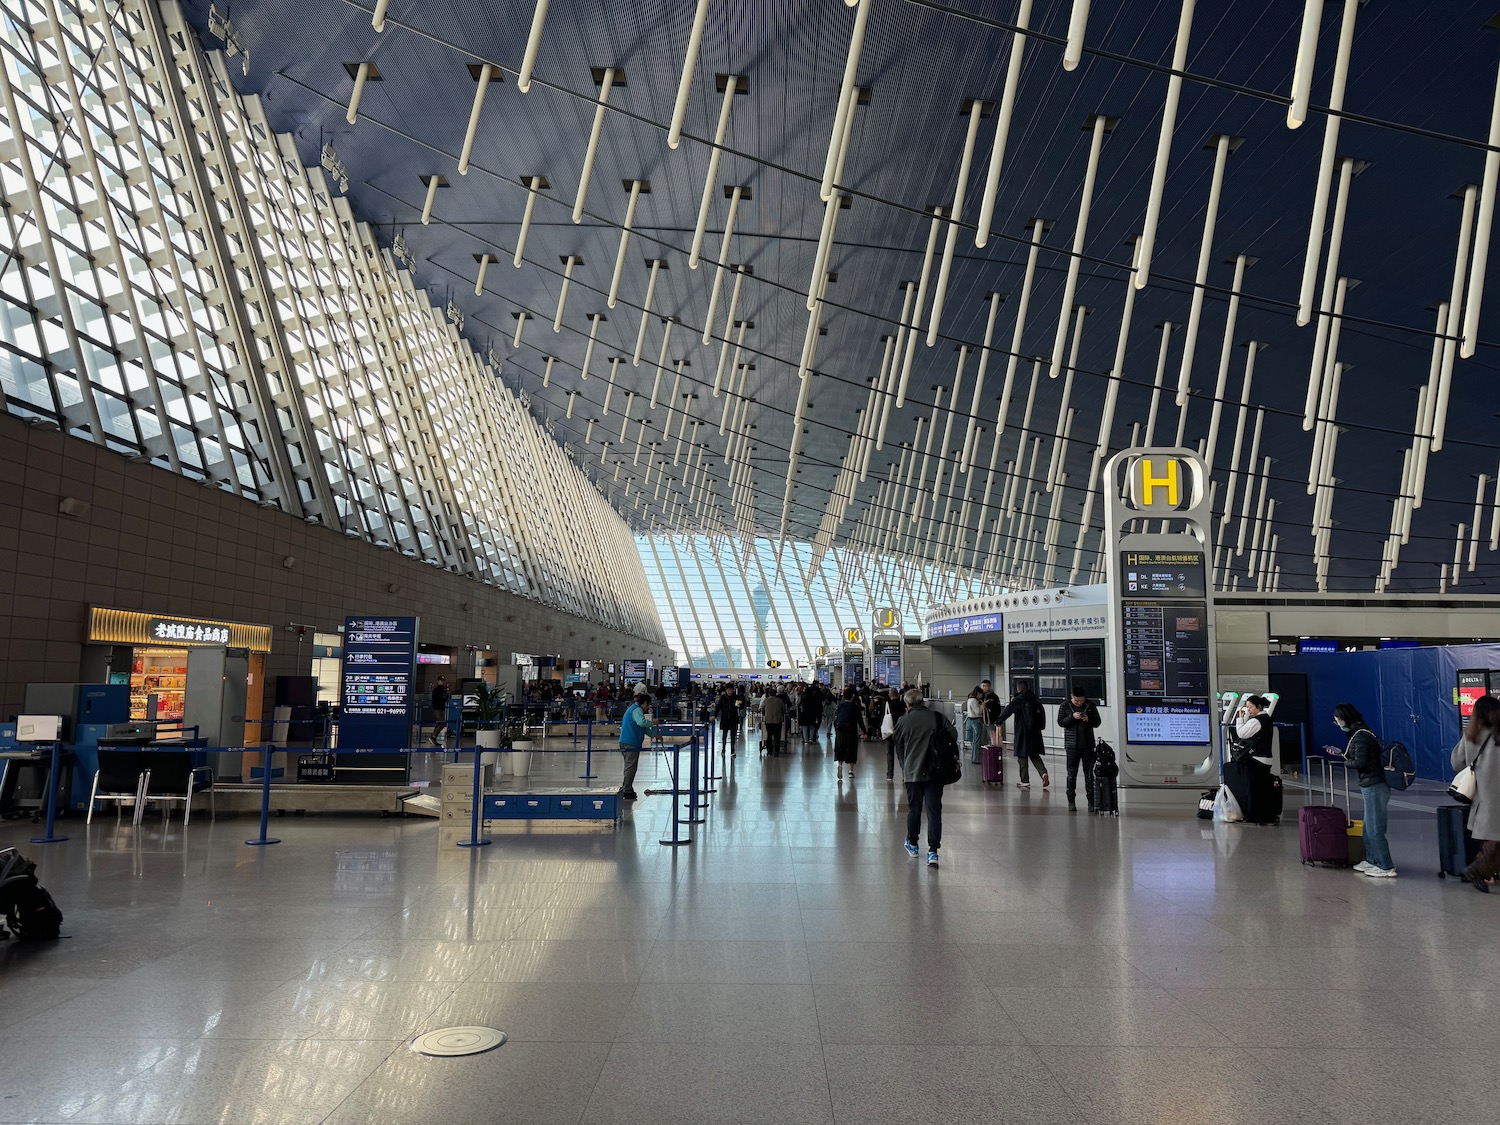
<point>1148,483</point>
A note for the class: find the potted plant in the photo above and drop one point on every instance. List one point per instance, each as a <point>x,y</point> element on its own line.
<point>487,732</point>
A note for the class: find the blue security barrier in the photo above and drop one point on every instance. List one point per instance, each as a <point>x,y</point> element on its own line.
<point>1405,694</point>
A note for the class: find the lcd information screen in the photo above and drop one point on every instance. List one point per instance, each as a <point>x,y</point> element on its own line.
<point>886,661</point>
<point>380,654</point>
<point>1164,639</point>
<point>634,670</point>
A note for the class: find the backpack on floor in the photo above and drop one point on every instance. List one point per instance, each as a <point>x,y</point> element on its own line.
<point>1105,765</point>
<point>25,905</point>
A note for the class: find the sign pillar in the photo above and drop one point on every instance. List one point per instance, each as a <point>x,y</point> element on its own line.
<point>380,656</point>
<point>1158,538</point>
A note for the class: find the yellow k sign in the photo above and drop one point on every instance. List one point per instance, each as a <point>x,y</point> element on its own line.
<point>851,636</point>
<point>1150,482</point>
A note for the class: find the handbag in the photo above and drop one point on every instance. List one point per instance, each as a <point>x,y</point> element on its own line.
<point>887,725</point>
<point>1466,783</point>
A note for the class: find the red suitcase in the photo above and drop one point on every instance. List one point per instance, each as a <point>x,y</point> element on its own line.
<point>992,765</point>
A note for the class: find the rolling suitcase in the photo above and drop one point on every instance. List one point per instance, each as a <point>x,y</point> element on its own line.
<point>992,765</point>
<point>1323,830</point>
<point>1456,848</point>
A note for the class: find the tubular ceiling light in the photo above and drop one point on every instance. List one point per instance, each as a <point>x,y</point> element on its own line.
<point>919,304</point>
<point>655,264</point>
<point>1325,166</point>
<point>1482,231</point>
<point>635,188</point>
<point>547,377</point>
<point>661,358</point>
<point>1099,127</point>
<point>533,42</point>
<point>432,182</point>
<point>846,98</point>
<point>569,261</point>
<point>1302,72</point>
<point>533,184</point>
<point>735,195</point>
<point>689,65</point>
<point>484,261</point>
<point>588,352</point>
<point>1002,124</point>
<point>1077,24</point>
<point>485,73</point>
<point>1330,287</point>
<point>362,74</point>
<point>1226,351</point>
<point>1164,144</point>
<point>1221,145</point>
<point>731,88</point>
<point>606,84</point>
<point>889,397</point>
<point>977,111</point>
<point>377,18</point>
<point>521,319</point>
<point>1038,228</point>
<point>1455,309</point>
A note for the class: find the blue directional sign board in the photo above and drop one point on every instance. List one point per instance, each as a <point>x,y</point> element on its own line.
<point>959,626</point>
<point>380,656</point>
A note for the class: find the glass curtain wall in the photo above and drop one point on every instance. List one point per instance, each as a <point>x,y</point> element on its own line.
<point>177,286</point>
<point>730,603</point>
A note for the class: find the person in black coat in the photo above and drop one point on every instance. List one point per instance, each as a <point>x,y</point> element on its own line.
<point>1031,719</point>
<point>727,715</point>
<point>848,729</point>
<point>1079,718</point>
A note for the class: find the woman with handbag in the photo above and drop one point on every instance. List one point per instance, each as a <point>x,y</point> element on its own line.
<point>1484,804</point>
<point>1365,756</point>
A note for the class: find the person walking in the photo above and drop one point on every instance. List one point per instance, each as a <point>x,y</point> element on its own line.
<point>848,729</point>
<point>440,697</point>
<point>919,764</point>
<point>1365,756</point>
<point>895,707</point>
<point>1030,721</point>
<point>974,729</point>
<point>1079,718</point>
<point>772,713</point>
<point>634,728</point>
<point>727,715</point>
<point>1476,750</point>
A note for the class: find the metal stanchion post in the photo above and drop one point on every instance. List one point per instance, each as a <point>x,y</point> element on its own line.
<point>694,812</point>
<point>52,777</point>
<point>588,755</point>
<point>476,815</point>
<point>709,774</point>
<point>676,841</point>
<point>265,802</point>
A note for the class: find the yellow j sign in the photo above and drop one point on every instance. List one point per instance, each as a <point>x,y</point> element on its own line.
<point>885,618</point>
<point>1156,483</point>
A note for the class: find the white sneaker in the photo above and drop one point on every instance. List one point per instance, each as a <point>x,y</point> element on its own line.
<point>1381,873</point>
<point>1025,785</point>
<point>1362,866</point>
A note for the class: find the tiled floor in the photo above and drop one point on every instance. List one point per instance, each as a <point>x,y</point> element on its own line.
<point>791,965</point>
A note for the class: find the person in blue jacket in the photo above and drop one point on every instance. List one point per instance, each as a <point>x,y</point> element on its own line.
<point>634,728</point>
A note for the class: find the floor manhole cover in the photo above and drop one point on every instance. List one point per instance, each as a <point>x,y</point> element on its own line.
<point>450,1042</point>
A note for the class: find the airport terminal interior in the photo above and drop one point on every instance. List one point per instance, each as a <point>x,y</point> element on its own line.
<point>831,561</point>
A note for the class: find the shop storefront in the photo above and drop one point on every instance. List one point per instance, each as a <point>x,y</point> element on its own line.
<point>152,653</point>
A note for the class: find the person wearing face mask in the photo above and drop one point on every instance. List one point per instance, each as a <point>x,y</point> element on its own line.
<point>1476,749</point>
<point>1365,756</point>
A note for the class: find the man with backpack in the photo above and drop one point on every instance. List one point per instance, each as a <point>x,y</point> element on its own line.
<point>1031,720</point>
<point>917,736</point>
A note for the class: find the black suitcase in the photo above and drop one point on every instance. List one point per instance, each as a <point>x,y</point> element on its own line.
<point>1256,788</point>
<point>1456,848</point>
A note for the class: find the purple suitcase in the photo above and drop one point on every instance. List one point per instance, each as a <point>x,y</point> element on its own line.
<point>1323,830</point>
<point>992,765</point>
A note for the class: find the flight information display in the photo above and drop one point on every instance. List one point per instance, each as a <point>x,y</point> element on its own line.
<point>1164,634</point>
<point>886,661</point>
<point>380,655</point>
<point>635,671</point>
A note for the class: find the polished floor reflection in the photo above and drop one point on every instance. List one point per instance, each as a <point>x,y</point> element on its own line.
<point>791,965</point>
